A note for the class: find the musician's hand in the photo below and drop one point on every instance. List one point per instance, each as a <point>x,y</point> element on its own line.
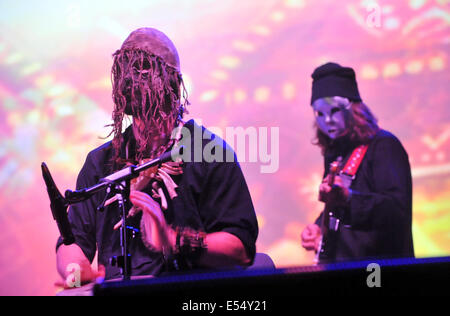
<point>73,264</point>
<point>160,236</point>
<point>87,276</point>
<point>337,194</point>
<point>311,237</point>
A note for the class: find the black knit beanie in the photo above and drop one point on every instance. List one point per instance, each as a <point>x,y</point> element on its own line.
<point>331,80</point>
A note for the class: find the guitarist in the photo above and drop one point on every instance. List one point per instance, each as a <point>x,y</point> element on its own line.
<point>371,196</point>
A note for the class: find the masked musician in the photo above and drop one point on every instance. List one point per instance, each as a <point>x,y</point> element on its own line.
<point>368,197</point>
<point>183,215</point>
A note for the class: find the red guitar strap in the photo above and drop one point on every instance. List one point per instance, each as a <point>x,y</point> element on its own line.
<point>353,163</point>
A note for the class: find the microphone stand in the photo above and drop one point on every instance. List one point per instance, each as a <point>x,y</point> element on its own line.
<point>118,183</point>
<point>122,192</point>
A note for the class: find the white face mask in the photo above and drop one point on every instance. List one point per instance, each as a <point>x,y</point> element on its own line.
<point>332,115</point>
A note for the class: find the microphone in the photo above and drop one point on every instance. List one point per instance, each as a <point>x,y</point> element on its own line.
<point>58,206</point>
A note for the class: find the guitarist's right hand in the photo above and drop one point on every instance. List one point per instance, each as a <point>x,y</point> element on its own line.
<point>311,236</point>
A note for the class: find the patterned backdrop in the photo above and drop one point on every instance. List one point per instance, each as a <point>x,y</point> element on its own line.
<point>246,64</point>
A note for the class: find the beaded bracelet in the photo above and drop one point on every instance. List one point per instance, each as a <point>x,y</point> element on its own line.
<point>190,245</point>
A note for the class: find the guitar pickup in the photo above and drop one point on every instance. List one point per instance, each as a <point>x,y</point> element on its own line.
<point>334,224</point>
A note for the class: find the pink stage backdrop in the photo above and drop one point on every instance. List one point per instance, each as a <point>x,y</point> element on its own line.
<point>247,64</point>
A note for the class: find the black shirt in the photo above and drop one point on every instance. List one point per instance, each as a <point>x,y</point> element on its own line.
<point>212,196</point>
<point>377,222</point>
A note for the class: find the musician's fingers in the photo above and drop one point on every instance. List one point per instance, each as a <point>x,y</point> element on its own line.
<point>311,237</point>
<point>167,170</point>
<point>309,233</point>
<point>338,181</point>
<point>308,245</point>
<point>316,229</point>
<point>172,169</point>
<point>337,187</point>
<point>324,180</point>
<point>339,192</point>
<point>164,204</point>
<point>173,164</point>
<point>146,203</point>
<point>133,211</point>
<point>101,272</point>
<point>306,236</point>
<point>142,198</point>
<point>155,194</point>
<point>166,178</point>
<point>324,187</point>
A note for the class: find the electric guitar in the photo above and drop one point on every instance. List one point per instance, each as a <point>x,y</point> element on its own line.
<point>325,250</point>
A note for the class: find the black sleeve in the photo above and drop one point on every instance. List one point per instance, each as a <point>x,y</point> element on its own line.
<point>389,202</point>
<point>82,215</point>
<point>227,205</point>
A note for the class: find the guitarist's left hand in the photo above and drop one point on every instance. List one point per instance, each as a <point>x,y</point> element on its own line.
<point>337,194</point>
